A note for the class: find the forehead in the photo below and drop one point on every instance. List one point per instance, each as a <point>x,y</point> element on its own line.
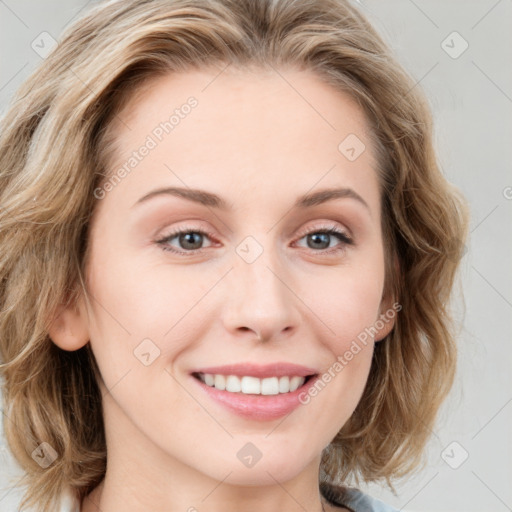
<point>298,101</point>
<point>249,132</point>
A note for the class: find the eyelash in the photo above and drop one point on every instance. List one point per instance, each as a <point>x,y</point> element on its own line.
<point>329,230</point>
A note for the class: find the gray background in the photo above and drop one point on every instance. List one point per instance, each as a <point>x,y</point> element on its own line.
<point>471,96</point>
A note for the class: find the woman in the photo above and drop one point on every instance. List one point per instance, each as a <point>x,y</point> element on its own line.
<point>227,254</point>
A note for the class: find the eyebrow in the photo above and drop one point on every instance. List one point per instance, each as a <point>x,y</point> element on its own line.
<point>213,200</point>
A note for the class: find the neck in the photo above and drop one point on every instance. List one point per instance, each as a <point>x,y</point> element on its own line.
<point>100,501</point>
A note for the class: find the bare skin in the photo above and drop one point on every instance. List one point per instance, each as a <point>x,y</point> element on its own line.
<point>260,144</point>
<point>90,502</point>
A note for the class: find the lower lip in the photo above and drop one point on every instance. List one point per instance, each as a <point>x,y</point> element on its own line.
<point>258,407</point>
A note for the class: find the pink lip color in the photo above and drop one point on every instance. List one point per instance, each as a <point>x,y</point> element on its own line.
<point>260,371</point>
<point>257,407</point>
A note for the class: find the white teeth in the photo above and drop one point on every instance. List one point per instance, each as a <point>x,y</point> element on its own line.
<point>270,386</point>
<point>296,382</point>
<point>220,382</point>
<point>252,385</point>
<point>233,384</point>
<point>284,384</point>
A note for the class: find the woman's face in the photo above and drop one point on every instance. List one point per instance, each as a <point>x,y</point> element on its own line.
<point>255,281</point>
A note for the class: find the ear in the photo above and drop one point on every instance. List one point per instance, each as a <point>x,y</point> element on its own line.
<point>69,328</point>
<point>388,312</point>
<point>386,320</point>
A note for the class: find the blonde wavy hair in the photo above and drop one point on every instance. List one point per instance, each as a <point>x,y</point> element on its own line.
<point>54,152</point>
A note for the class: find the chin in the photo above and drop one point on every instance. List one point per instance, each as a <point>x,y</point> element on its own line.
<point>262,477</point>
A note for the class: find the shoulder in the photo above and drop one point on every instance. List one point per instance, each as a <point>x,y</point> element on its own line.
<point>69,503</point>
<point>353,499</point>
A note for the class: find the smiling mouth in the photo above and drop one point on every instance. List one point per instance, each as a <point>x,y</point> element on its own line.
<point>249,385</point>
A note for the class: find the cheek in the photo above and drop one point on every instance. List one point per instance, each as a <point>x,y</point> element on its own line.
<point>349,308</point>
<point>136,301</point>
<point>348,303</point>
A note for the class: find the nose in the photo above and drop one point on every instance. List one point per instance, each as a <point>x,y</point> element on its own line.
<point>260,299</point>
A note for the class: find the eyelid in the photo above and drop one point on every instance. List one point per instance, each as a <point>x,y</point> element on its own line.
<point>343,235</point>
<point>308,229</point>
<point>171,233</point>
<point>324,225</point>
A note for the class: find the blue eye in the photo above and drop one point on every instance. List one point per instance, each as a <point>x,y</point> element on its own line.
<point>324,236</point>
<point>190,240</point>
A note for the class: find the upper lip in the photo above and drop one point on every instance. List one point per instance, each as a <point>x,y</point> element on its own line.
<point>279,369</point>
